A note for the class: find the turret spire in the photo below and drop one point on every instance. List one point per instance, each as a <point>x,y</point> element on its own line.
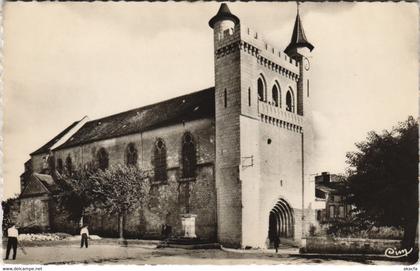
<point>298,37</point>
<point>223,14</point>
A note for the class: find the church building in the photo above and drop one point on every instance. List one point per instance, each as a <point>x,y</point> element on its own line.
<point>236,157</point>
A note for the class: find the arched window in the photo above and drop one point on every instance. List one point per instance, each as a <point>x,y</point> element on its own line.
<point>275,95</point>
<point>290,103</point>
<point>103,160</point>
<point>131,155</point>
<point>159,161</point>
<point>261,89</point>
<point>69,165</point>
<point>189,159</point>
<point>60,165</point>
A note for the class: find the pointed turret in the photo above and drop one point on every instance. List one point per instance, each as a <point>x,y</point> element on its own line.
<point>298,38</point>
<point>223,14</point>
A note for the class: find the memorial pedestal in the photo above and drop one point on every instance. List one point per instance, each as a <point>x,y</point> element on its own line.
<point>188,225</point>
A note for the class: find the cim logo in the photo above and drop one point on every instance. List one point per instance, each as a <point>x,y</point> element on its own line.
<point>397,253</point>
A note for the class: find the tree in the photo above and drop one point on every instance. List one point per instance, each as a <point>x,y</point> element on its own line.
<point>76,191</point>
<point>382,181</point>
<point>8,217</point>
<point>118,190</point>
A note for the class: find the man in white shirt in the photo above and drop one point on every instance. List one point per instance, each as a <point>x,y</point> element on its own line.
<point>84,232</point>
<point>12,234</point>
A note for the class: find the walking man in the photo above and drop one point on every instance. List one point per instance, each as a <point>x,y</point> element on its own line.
<point>84,232</point>
<point>276,242</point>
<point>12,235</point>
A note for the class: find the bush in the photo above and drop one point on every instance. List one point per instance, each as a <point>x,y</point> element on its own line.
<point>312,230</point>
<point>10,212</point>
<point>356,229</point>
<point>385,233</point>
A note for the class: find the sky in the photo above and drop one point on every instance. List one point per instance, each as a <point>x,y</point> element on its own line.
<point>63,61</point>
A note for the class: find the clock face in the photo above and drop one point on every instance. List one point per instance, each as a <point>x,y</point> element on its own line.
<point>306,63</point>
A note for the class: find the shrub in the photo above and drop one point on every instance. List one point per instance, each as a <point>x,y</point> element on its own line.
<point>357,229</point>
<point>312,230</point>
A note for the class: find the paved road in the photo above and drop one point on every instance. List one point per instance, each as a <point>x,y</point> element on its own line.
<point>116,254</point>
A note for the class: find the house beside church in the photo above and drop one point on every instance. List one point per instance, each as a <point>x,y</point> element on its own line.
<point>329,190</point>
<point>236,156</point>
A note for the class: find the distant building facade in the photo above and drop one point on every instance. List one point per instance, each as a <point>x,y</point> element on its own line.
<point>329,190</point>
<point>237,155</point>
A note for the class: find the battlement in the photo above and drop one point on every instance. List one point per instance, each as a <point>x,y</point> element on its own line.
<point>280,117</point>
<point>227,37</point>
<point>244,37</point>
<point>266,50</point>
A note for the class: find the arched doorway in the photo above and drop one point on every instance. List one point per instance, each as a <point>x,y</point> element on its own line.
<point>281,222</point>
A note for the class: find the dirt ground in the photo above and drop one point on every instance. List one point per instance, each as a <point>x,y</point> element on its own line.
<point>117,254</point>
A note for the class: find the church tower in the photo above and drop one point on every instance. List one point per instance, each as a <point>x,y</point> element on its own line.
<point>259,115</point>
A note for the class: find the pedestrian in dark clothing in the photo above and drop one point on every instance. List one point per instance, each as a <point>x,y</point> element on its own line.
<point>163,231</point>
<point>276,242</point>
<point>168,231</point>
<point>84,232</point>
<point>274,238</point>
<point>12,235</point>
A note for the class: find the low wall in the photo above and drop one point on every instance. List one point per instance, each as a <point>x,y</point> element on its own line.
<point>347,245</point>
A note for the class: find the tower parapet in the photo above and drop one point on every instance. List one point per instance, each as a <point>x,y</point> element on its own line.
<point>267,52</point>
<point>280,117</point>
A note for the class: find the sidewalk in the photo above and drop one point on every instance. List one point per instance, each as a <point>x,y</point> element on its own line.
<point>294,252</point>
<point>282,252</point>
<point>76,240</point>
<point>106,245</point>
<point>353,257</point>
<point>110,251</point>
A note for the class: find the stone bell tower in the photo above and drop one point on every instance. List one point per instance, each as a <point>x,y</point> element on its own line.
<point>260,97</point>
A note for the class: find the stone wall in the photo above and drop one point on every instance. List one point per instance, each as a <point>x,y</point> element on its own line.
<point>38,162</point>
<point>271,169</point>
<point>34,214</point>
<point>164,205</point>
<point>252,68</point>
<point>166,201</point>
<point>202,131</point>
